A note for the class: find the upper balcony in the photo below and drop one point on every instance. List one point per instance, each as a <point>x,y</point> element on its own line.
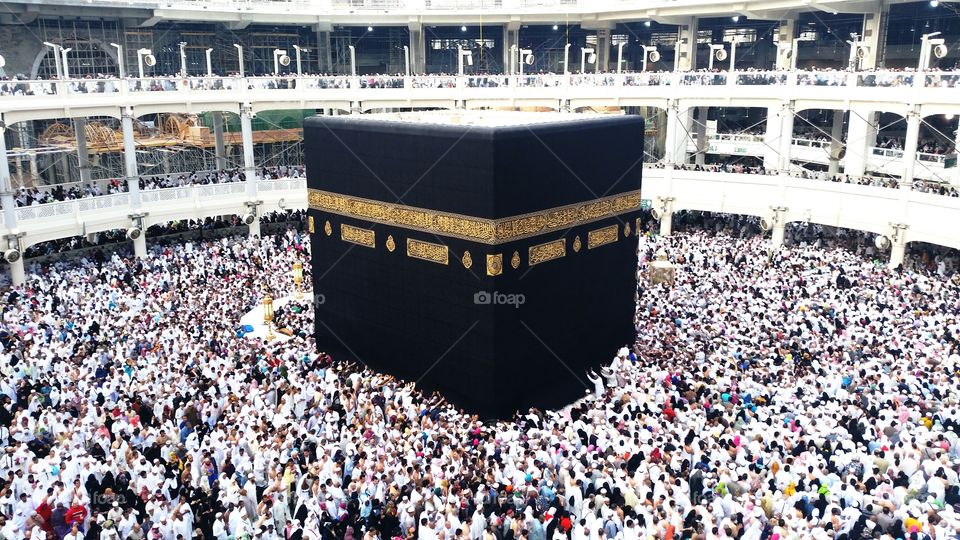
<point>897,92</point>
<point>446,11</point>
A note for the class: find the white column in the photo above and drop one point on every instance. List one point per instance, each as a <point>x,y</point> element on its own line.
<point>861,137</point>
<point>603,49</point>
<point>836,142</point>
<point>83,156</point>
<point>324,49</point>
<point>786,32</point>
<point>130,160</point>
<point>670,139</point>
<point>63,169</point>
<point>17,272</point>
<point>786,135</point>
<point>249,169</point>
<point>874,35</point>
<point>910,149</point>
<point>18,163</point>
<point>898,250</point>
<point>686,51</point>
<point>511,39</point>
<point>682,134</point>
<point>771,138</point>
<point>777,233</point>
<point>666,223</point>
<point>6,188</point>
<point>218,140</point>
<point>133,177</point>
<point>701,130</point>
<point>956,146</point>
<point>418,49</point>
<point>140,245</point>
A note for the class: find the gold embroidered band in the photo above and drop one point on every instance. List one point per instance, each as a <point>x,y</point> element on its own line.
<point>488,231</point>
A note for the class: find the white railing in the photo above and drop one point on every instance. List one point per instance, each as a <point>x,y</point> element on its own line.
<point>203,85</point>
<point>166,194</point>
<point>281,184</point>
<point>42,211</point>
<point>810,143</point>
<point>153,196</point>
<point>839,204</point>
<point>896,154</point>
<point>99,203</point>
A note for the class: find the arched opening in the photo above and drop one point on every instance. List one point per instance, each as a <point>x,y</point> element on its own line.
<point>85,59</point>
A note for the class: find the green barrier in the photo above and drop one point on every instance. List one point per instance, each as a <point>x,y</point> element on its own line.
<point>265,120</point>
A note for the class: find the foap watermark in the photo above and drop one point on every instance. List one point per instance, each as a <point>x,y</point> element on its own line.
<point>497,298</point>
<point>107,500</point>
<point>319,298</point>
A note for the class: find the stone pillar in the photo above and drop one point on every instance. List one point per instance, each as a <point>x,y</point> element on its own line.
<point>17,272</point>
<point>785,34</point>
<point>686,49</point>
<point>701,130</point>
<point>786,135</point>
<point>418,48</point>
<point>910,149</point>
<point>83,156</point>
<point>836,142</point>
<point>511,39</point>
<point>218,140</point>
<point>255,227</point>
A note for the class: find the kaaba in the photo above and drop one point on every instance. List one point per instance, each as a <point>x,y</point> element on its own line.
<point>490,256</point>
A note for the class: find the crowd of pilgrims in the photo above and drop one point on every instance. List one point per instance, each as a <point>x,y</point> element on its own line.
<point>805,393</point>
<point>28,196</point>
<point>209,227</point>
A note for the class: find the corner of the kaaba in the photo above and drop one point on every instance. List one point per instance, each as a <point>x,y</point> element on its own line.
<point>572,309</point>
